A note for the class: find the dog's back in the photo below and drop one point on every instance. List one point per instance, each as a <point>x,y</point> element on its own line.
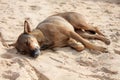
<point>56,21</point>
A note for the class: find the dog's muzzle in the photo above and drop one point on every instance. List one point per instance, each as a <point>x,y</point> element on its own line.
<point>35,53</point>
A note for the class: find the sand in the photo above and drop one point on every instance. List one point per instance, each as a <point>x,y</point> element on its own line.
<point>63,63</point>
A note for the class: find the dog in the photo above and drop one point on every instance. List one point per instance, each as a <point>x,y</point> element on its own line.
<point>59,30</point>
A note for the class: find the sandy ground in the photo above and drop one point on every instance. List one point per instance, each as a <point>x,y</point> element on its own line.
<point>63,63</point>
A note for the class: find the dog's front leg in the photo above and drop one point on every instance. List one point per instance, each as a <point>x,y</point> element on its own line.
<point>46,45</point>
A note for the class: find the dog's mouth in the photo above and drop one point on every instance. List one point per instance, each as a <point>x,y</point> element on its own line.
<point>35,53</point>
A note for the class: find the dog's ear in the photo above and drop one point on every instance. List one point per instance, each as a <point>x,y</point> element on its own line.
<point>26,27</point>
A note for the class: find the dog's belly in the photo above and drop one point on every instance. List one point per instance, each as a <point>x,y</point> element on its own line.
<point>55,37</point>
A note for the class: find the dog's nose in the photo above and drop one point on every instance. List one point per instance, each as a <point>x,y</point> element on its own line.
<point>35,53</point>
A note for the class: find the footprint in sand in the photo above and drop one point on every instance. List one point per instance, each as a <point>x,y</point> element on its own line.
<point>7,56</point>
<point>106,70</point>
<point>10,75</point>
<point>34,7</point>
<point>117,51</point>
<point>84,62</point>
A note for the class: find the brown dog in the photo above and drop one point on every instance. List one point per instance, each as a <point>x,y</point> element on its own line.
<point>64,29</point>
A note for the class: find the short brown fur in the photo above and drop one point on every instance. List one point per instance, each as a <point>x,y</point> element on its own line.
<point>63,29</point>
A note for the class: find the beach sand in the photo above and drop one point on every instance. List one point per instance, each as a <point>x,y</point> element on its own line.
<point>62,63</point>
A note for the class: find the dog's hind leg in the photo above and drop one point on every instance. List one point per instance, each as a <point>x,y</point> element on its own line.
<point>75,45</point>
<point>78,22</point>
<point>93,36</point>
<point>86,43</point>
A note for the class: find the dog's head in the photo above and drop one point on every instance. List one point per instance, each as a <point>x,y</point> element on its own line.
<point>27,43</point>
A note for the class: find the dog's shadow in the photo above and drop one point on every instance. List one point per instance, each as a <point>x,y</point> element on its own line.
<point>13,53</point>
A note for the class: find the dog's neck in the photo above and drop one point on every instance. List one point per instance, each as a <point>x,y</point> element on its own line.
<point>38,35</point>
<point>42,40</point>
